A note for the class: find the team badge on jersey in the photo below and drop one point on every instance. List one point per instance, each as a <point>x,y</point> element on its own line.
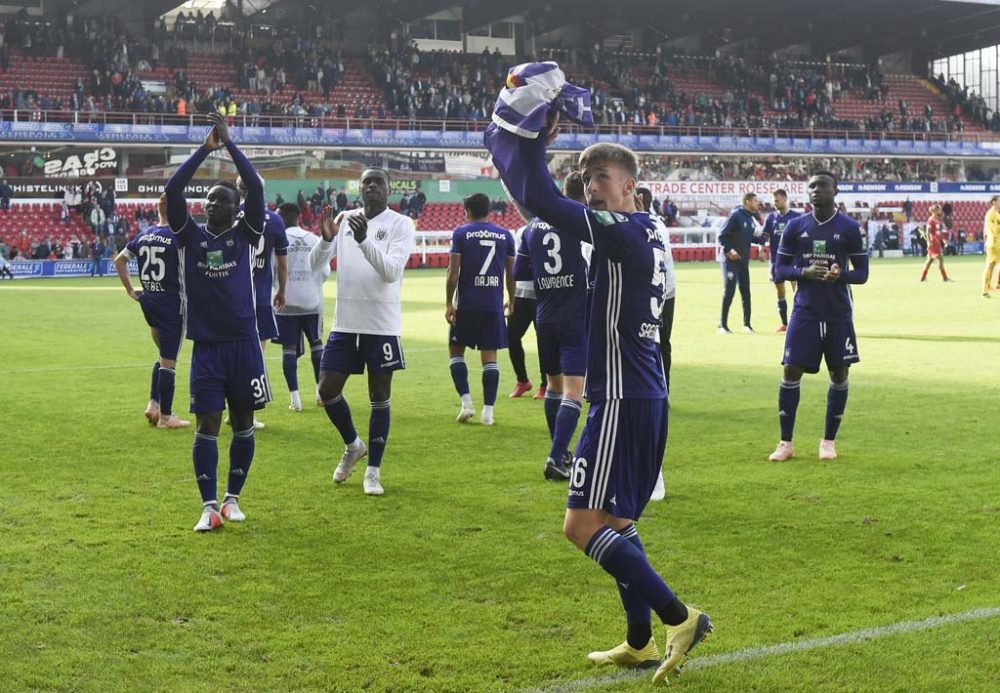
<point>381,234</point>
<point>605,218</point>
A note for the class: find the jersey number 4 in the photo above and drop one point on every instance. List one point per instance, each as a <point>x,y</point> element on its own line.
<point>154,269</point>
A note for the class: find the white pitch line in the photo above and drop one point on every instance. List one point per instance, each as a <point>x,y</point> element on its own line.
<point>144,364</point>
<point>768,651</point>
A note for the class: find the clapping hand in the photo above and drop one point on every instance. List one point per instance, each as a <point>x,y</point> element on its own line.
<point>218,136</point>
<point>815,271</point>
<point>833,274</point>
<point>359,225</point>
<point>329,226</point>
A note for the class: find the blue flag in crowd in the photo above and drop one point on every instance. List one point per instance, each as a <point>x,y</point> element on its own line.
<point>531,90</point>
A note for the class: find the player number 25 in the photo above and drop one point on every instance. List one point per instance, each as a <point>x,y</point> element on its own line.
<point>153,267</point>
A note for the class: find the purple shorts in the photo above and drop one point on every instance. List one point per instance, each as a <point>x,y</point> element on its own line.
<point>562,348</point>
<point>479,329</point>
<point>347,352</point>
<point>618,456</point>
<point>292,328</point>
<point>267,327</point>
<point>165,317</point>
<point>230,372</point>
<point>809,341</point>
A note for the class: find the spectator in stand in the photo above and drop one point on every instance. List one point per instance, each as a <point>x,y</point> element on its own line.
<point>908,209</point>
<point>342,200</point>
<point>5,194</point>
<point>97,250</point>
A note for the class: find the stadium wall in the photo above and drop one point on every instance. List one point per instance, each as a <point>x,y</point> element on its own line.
<point>125,134</point>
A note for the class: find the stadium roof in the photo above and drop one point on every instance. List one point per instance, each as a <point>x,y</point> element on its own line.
<point>929,28</point>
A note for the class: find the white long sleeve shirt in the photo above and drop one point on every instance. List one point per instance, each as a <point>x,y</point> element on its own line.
<point>370,274</point>
<point>308,268</point>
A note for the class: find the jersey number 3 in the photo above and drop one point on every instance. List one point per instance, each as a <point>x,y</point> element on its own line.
<point>553,263</point>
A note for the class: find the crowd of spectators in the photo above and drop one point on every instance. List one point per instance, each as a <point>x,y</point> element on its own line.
<point>629,88</point>
<point>437,84</point>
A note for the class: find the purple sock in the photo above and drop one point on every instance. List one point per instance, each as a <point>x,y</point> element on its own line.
<point>154,383</point>
<point>290,367</point>
<point>566,420</point>
<point>167,380</point>
<point>783,311</point>
<point>317,355</point>
<point>636,609</point>
<point>340,417</point>
<point>491,383</point>
<point>378,432</point>
<point>553,401</point>
<point>240,458</point>
<point>206,462</point>
<point>628,565</point>
<point>836,403</point>
<point>459,375</point>
<point>788,404</point>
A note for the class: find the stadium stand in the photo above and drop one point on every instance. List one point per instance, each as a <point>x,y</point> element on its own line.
<point>296,77</point>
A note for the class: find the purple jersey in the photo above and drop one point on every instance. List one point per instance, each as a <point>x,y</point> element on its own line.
<point>484,249</point>
<point>558,270</point>
<point>774,226</point>
<point>807,241</point>
<point>155,251</point>
<point>218,281</point>
<point>272,241</point>
<point>628,267</point>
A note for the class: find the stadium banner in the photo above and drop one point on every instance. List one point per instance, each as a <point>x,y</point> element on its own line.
<point>710,190</point>
<point>31,269</point>
<point>105,133</point>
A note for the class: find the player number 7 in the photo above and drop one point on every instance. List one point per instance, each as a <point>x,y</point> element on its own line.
<point>492,245</point>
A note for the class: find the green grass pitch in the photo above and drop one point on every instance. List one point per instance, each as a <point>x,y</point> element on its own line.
<point>459,579</point>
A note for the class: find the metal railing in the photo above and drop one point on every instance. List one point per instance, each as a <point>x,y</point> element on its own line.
<point>447,125</point>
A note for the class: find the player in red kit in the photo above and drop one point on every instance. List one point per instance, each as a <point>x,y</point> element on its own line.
<point>935,243</point>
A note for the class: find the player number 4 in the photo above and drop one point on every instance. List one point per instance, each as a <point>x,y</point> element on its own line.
<point>848,347</point>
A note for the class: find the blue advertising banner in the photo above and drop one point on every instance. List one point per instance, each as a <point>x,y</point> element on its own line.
<point>29,269</point>
<point>90,133</point>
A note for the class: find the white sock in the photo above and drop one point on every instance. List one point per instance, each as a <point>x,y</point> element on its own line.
<point>467,401</point>
<point>296,400</point>
<point>487,412</point>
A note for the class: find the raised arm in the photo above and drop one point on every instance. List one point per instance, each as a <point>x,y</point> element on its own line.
<point>177,209</point>
<point>523,167</point>
<point>253,205</point>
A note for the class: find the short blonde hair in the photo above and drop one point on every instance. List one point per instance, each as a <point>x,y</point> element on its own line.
<point>935,209</point>
<point>610,153</point>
